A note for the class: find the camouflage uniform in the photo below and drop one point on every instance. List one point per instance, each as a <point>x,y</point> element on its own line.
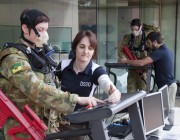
<point>135,81</point>
<point>25,86</point>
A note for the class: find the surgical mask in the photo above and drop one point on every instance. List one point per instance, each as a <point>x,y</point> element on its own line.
<point>137,33</point>
<point>42,39</point>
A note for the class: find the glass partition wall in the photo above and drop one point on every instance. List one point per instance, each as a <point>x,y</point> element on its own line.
<point>63,23</point>
<point>109,19</point>
<point>169,27</point>
<point>165,14</point>
<point>108,34</point>
<point>113,17</point>
<point>177,50</point>
<point>107,31</point>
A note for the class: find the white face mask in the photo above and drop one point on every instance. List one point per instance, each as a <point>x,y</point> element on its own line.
<point>42,39</point>
<point>137,33</point>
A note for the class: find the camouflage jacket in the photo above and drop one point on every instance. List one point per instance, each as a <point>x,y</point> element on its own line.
<point>136,43</point>
<point>25,86</point>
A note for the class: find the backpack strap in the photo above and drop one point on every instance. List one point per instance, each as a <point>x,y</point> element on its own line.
<point>131,42</point>
<point>142,44</point>
<point>19,46</point>
<point>36,57</point>
<point>1,76</point>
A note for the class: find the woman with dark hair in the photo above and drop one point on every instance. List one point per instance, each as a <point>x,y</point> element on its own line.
<point>81,75</point>
<point>82,71</point>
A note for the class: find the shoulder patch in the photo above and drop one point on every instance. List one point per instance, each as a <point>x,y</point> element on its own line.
<point>16,68</point>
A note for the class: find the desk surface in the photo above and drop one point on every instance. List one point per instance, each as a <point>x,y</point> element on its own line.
<point>126,66</point>
<point>106,110</point>
<point>96,116</point>
<point>148,67</point>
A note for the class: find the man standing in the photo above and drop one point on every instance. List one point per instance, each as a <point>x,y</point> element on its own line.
<point>163,61</point>
<point>136,44</point>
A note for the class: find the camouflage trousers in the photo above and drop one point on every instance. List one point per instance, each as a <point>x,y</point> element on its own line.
<point>52,120</point>
<point>136,81</point>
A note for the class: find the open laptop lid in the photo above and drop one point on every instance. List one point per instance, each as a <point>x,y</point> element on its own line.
<point>153,112</point>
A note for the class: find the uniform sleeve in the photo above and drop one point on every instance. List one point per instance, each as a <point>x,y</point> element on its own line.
<point>120,47</point>
<point>18,71</point>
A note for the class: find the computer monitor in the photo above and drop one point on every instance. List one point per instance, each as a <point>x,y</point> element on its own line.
<point>152,112</point>
<point>165,97</point>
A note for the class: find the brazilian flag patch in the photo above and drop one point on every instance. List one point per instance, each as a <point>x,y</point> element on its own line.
<point>16,68</point>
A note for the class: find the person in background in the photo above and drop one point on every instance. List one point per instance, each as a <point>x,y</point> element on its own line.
<point>136,42</point>
<point>163,60</point>
<point>83,73</point>
<point>25,72</point>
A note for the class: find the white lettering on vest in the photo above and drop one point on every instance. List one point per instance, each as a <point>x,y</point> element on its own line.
<point>85,84</point>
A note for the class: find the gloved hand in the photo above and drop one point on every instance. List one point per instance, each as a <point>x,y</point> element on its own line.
<point>115,95</point>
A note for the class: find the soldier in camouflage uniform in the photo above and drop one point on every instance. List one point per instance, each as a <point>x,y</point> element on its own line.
<point>136,43</point>
<point>25,72</point>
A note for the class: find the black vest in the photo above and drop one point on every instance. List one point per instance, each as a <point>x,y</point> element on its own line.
<point>38,60</point>
<point>142,45</point>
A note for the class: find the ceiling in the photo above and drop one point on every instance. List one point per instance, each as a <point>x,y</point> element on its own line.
<point>92,3</point>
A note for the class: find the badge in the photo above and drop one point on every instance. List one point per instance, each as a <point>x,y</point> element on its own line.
<point>16,68</point>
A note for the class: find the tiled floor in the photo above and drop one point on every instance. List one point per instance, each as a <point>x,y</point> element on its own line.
<point>173,134</point>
